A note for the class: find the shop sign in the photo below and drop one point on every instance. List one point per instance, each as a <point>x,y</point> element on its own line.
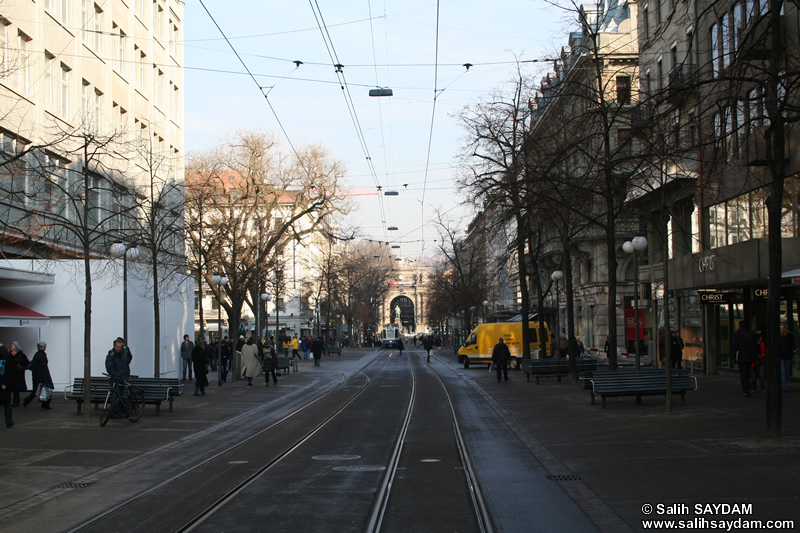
<point>711,297</point>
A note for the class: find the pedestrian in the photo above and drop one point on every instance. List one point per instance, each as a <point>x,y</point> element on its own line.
<point>250,366</point>
<point>41,375</point>
<point>427,343</point>
<point>757,369</point>
<point>227,351</point>
<point>786,349</point>
<point>118,370</point>
<point>500,357</point>
<point>270,363</point>
<point>400,346</point>
<point>746,351</point>
<point>200,364</point>
<point>676,350</point>
<point>187,355</point>
<point>295,347</point>
<point>562,346</point>
<point>5,391</point>
<point>305,346</point>
<point>317,347</point>
<point>212,353</point>
<point>581,347</point>
<point>15,371</point>
<point>286,345</point>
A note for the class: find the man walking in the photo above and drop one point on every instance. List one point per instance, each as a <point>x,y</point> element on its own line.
<point>187,347</point>
<point>317,347</point>
<point>500,357</point>
<point>746,348</point>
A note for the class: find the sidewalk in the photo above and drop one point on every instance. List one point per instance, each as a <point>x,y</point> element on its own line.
<point>709,451</point>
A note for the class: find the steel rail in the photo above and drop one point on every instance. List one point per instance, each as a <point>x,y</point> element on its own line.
<point>209,510</point>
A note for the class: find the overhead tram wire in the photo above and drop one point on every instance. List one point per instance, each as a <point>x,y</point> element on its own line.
<point>260,89</point>
<point>430,133</point>
<point>338,69</point>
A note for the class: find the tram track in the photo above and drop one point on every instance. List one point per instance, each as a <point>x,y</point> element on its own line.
<point>107,520</point>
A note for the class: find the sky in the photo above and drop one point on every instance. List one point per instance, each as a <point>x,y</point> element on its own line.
<point>408,143</point>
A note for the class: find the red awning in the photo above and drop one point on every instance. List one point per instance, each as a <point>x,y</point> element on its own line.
<point>13,315</point>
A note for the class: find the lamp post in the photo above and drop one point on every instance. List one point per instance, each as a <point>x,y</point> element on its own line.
<point>219,280</point>
<point>265,297</point>
<point>637,244</point>
<point>319,326</point>
<point>118,250</point>
<point>556,276</point>
<point>485,310</point>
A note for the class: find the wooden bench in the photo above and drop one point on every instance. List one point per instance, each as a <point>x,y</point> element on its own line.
<point>641,383</point>
<point>284,364</point>
<point>554,367</point>
<point>335,350</point>
<point>155,390</point>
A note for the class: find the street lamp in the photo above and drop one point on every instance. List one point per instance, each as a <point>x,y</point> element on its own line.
<point>485,310</point>
<point>265,297</point>
<point>118,250</point>
<point>637,244</point>
<point>219,280</point>
<point>319,326</point>
<point>556,276</point>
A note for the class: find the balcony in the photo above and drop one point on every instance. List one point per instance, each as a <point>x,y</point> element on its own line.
<point>682,83</point>
<point>756,40</point>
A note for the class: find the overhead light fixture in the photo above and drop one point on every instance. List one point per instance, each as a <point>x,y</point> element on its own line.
<point>380,92</point>
<point>395,246</point>
<point>391,193</point>
<point>392,228</point>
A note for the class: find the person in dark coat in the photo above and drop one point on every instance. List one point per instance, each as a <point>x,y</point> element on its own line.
<point>15,371</point>
<point>199,362</point>
<point>5,392</point>
<point>427,343</point>
<point>119,370</point>
<point>676,347</point>
<point>270,363</point>
<point>400,346</point>
<point>317,347</point>
<point>500,357</point>
<point>746,349</point>
<point>41,374</point>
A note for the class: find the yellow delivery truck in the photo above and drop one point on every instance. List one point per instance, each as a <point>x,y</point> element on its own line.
<point>478,346</point>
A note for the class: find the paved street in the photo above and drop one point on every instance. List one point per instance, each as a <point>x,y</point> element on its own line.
<point>567,457</point>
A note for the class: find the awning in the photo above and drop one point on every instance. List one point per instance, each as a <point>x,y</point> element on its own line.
<point>13,315</point>
<point>791,274</point>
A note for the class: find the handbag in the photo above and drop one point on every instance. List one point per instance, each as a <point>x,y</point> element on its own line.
<point>45,393</point>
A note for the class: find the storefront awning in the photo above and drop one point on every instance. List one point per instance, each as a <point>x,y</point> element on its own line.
<point>791,274</point>
<point>13,315</point>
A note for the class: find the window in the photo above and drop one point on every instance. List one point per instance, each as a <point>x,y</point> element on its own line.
<point>736,19</point>
<point>50,90</point>
<point>159,88</point>
<point>715,50</point>
<point>175,103</point>
<point>85,21</point>
<point>676,127</point>
<point>85,89</point>
<point>647,82</point>
<point>14,170</point>
<point>689,47</point>
<point>646,17</point>
<point>624,140</point>
<point>692,124</point>
<point>140,67</point>
<point>122,52</point>
<point>158,21</point>
<point>65,9</point>
<point>173,43</point>
<point>5,60</point>
<point>659,73</point>
<point>63,108</point>
<point>763,7</point>
<point>658,12</point>
<point>54,185</point>
<point>624,90</point>
<point>97,111</point>
<point>673,57</point>
<point>97,41</point>
<point>727,44</point>
<point>24,67</point>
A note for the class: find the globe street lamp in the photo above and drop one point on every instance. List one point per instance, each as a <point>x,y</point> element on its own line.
<point>485,310</point>
<point>118,250</point>
<point>219,280</point>
<point>637,244</point>
<point>556,276</point>
<point>265,297</point>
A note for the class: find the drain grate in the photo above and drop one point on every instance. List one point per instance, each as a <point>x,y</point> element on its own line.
<point>360,468</point>
<point>564,477</point>
<point>75,485</point>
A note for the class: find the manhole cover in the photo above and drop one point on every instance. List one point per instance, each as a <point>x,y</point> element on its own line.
<point>75,485</point>
<point>336,457</point>
<point>566,477</point>
<point>360,468</point>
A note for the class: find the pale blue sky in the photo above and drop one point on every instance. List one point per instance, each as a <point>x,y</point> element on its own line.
<point>393,46</point>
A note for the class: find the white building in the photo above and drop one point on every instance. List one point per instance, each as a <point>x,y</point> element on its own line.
<point>73,71</point>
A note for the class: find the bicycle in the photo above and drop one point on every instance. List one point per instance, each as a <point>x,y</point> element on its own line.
<point>132,403</point>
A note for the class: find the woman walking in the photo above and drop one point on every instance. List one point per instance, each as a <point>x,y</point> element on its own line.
<point>41,375</point>
<point>15,371</point>
<point>250,365</point>
<point>199,365</point>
